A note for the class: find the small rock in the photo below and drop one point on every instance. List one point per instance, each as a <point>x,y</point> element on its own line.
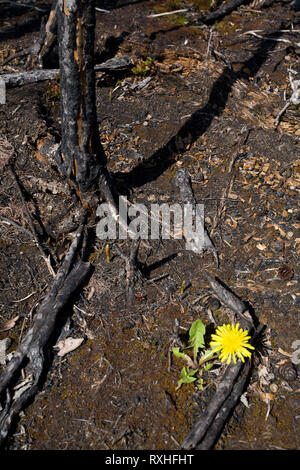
<point>4,345</point>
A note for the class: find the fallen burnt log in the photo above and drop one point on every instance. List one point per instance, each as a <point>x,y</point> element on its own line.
<point>34,76</point>
<point>223,11</point>
<point>228,405</point>
<point>30,356</point>
<point>207,429</point>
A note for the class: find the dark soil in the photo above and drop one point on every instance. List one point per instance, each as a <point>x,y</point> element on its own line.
<point>200,111</point>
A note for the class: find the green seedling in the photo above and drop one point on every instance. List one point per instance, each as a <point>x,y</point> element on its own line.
<point>143,67</point>
<point>187,376</point>
<point>185,357</point>
<point>194,366</point>
<point>180,20</point>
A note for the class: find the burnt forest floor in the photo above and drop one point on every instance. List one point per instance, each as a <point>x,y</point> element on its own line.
<point>180,105</point>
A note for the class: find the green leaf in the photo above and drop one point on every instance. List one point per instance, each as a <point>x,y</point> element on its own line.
<point>179,354</point>
<point>196,333</point>
<point>208,354</point>
<point>187,376</point>
<point>208,366</point>
<point>182,287</point>
<point>185,357</point>
<point>200,384</point>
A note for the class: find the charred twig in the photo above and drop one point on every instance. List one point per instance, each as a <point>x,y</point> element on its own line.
<point>245,132</point>
<point>212,49</point>
<point>32,228</point>
<point>30,354</point>
<point>218,55</point>
<point>5,220</point>
<point>23,5</point>
<point>33,50</point>
<point>132,271</point>
<point>45,40</point>
<point>131,264</point>
<point>294,99</point>
<point>281,112</point>
<point>229,299</point>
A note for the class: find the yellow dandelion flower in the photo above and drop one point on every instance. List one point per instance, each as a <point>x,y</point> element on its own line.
<point>231,340</point>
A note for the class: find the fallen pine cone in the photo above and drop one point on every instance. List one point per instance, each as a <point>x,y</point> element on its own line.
<point>285,272</point>
<point>287,371</point>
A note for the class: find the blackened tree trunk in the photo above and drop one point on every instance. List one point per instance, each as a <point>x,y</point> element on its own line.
<point>81,156</point>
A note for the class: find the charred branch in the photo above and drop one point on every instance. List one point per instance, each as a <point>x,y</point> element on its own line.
<point>133,274</point>
<point>227,407</point>
<point>45,41</point>
<point>223,11</point>
<point>25,78</point>
<point>30,354</point>
<point>49,33</point>
<point>199,243</point>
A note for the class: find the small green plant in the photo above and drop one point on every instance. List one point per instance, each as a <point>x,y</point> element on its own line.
<point>187,376</point>
<point>179,20</point>
<point>228,342</point>
<point>143,67</point>
<point>196,342</point>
